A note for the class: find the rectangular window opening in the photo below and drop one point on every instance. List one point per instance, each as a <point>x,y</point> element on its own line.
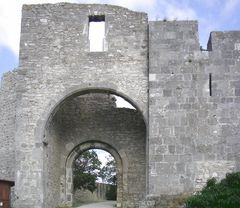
<point>97,33</point>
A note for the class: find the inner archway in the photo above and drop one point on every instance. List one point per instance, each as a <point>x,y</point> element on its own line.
<point>93,120</point>
<point>121,165</point>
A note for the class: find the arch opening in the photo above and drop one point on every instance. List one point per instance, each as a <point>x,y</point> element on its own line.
<point>105,183</point>
<point>54,106</point>
<point>91,120</point>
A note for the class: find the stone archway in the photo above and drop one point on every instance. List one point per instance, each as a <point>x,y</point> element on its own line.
<point>120,159</point>
<point>92,118</point>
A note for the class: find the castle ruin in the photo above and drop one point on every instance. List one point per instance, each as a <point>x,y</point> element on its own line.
<point>183,130</point>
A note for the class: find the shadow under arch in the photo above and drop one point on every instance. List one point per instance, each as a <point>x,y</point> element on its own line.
<point>55,104</point>
<point>119,157</point>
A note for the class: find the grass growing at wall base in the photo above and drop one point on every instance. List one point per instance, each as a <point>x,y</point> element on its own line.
<point>76,204</point>
<point>63,206</point>
<point>178,201</point>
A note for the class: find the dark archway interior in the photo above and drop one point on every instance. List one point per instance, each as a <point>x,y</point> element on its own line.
<point>94,117</point>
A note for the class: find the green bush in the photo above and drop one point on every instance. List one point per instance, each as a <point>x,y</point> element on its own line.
<point>223,194</point>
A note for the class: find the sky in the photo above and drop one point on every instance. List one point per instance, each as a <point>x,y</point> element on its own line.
<point>103,157</point>
<point>212,15</point>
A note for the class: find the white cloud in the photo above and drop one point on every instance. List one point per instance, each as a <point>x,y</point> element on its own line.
<point>130,4</point>
<point>10,24</point>
<point>229,7</point>
<point>10,21</point>
<point>174,12</point>
<point>173,9</point>
<point>136,4</point>
<point>10,16</point>
<point>10,13</point>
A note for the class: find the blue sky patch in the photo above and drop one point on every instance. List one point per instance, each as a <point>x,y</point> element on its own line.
<point>8,60</point>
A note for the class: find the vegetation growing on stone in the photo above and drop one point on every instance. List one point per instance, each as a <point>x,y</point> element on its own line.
<point>63,206</point>
<point>223,194</point>
<point>179,201</point>
<point>87,170</point>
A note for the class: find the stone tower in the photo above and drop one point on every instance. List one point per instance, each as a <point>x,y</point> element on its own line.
<point>184,127</point>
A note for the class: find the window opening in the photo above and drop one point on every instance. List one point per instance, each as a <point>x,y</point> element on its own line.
<point>210,84</point>
<point>97,33</point>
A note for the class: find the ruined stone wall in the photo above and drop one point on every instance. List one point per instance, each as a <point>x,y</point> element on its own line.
<point>193,107</point>
<point>7,126</point>
<point>55,62</point>
<point>219,122</point>
<point>194,100</point>
<point>84,119</point>
<point>86,196</point>
<point>54,50</point>
<point>51,167</point>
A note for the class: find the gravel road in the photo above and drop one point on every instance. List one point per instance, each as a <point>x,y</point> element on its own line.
<point>106,204</point>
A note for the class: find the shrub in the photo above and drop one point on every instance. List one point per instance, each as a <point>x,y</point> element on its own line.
<point>223,194</point>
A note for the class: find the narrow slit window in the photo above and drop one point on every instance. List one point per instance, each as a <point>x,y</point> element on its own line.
<point>97,33</point>
<point>210,84</point>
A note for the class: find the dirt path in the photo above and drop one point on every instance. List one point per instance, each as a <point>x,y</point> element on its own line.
<point>106,204</point>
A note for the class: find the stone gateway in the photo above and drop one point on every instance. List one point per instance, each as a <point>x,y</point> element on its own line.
<point>183,129</point>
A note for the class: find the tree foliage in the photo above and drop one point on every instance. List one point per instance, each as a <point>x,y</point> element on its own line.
<point>108,172</point>
<point>85,171</point>
<point>223,194</point>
